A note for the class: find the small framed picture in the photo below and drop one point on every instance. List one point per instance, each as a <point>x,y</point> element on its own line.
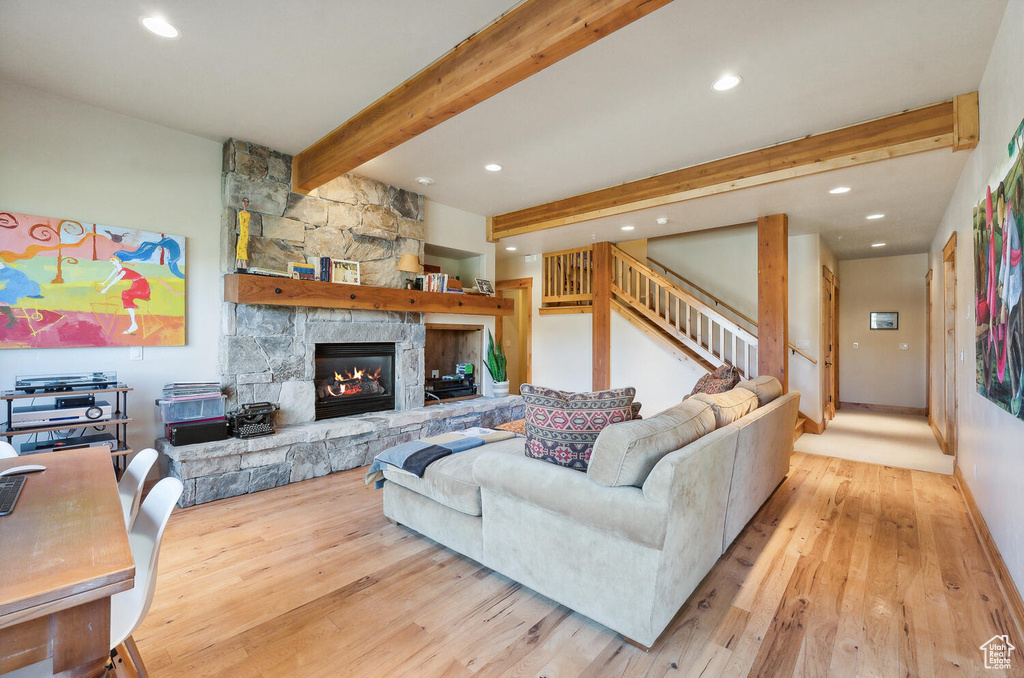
<point>483,285</point>
<point>302,271</point>
<point>345,271</point>
<point>885,320</point>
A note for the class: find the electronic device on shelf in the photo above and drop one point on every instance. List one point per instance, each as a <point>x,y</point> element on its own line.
<point>451,386</point>
<point>54,415</point>
<point>71,443</point>
<point>253,420</point>
<point>192,432</point>
<point>56,383</point>
<point>10,490</point>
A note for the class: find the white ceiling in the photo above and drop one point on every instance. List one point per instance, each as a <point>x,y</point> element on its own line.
<point>636,103</point>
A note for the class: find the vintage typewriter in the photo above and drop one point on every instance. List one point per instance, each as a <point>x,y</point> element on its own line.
<point>253,420</point>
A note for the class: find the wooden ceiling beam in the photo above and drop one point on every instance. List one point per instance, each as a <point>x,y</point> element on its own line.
<point>531,37</point>
<point>950,124</point>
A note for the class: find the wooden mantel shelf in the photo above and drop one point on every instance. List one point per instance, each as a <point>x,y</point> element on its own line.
<point>259,289</point>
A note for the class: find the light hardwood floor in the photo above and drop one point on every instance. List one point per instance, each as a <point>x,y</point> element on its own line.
<point>850,569</point>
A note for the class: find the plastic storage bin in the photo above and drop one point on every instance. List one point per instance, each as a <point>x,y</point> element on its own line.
<point>177,410</point>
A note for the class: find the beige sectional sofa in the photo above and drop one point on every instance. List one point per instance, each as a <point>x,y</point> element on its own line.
<point>627,542</point>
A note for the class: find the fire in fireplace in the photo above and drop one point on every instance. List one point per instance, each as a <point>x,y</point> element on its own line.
<point>353,379</point>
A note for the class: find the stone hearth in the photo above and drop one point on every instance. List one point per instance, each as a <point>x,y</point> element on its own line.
<point>231,467</point>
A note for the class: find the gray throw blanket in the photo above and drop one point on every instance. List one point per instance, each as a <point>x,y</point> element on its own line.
<point>414,456</point>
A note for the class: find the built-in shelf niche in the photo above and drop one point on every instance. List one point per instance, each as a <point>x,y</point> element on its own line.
<point>448,344</point>
<point>467,266</point>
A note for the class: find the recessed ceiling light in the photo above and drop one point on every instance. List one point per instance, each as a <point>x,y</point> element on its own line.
<point>838,190</point>
<point>493,167</point>
<point>726,82</point>
<point>511,248</point>
<point>426,181</point>
<point>878,244</point>
<point>160,26</point>
<point>875,216</point>
<point>662,220</point>
<point>628,228</point>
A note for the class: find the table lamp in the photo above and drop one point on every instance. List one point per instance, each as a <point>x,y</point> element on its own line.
<point>409,263</point>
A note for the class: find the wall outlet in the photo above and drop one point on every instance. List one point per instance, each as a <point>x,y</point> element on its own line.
<point>434,374</point>
<point>904,347</point>
<point>136,353</point>
<point>508,343</point>
<point>803,343</point>
<point>856,344</point>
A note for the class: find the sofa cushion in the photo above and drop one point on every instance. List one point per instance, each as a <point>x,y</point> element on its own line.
<point>625,453</point>
<point>562,427</point>
<point>721,380</point>
<point>729,406</point>
<point>449,480</point>
<point>767,388</point>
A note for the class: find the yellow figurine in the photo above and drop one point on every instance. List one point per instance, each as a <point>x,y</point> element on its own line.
<point>242,249</point>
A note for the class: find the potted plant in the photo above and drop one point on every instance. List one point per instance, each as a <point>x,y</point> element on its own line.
<point>496,363</point>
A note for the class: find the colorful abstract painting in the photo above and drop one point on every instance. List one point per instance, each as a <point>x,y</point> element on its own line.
<point>998,234</point>
<point>67,283</point>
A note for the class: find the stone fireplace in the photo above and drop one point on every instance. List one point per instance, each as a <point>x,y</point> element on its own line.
<point>278,354</point>
<point>268,353</point>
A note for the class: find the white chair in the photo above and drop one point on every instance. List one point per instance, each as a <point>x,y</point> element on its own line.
<point>7,450</point>
<point>129,487</point>
<point>129,608</point>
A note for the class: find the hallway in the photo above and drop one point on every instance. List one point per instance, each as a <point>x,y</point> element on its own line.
<point>900,440</point>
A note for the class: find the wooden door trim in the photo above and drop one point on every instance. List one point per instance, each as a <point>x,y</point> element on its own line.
<point>950,410</point>
<point>526,285</point>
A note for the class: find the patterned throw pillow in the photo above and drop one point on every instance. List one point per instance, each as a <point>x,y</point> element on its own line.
<point>721,380</point>
<point>562,427</point>
<point>519,425</point>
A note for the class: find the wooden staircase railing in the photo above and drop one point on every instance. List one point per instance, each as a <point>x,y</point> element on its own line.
<point>746,322</point>
<point>568,277</point>
<point>691,326</point>
<point>697,327</point>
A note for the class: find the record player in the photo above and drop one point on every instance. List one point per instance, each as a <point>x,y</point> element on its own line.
<point>56,383</point>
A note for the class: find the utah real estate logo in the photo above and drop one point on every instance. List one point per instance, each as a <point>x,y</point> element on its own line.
<point>997,652</point>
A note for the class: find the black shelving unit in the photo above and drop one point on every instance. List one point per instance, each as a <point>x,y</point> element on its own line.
<point>119,419</point>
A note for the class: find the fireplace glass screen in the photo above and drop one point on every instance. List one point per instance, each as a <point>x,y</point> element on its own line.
<point>354,378</point>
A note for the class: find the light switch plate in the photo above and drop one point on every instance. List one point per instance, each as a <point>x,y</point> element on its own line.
<point>904,347</point>
<point>434,374</point>
<point>803,343</point>
<point>136,353</point>
<point>856,344</point>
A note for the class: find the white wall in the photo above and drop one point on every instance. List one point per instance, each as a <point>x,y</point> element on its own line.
<point>458,229</point>
<point>723,261</point>
<point>562,344</point>
<point>64,159</point>
<point>991,450</point>
<point>877,372</point>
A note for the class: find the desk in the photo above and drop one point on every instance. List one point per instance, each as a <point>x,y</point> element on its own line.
<point>65,552</point>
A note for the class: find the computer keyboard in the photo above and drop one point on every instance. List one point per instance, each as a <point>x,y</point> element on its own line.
<point>10,490</point>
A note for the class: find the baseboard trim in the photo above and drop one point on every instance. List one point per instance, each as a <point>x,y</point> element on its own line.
<point>1009,590</point>
<point>888,409</point>
<point>811,426</point>
<point>938,435</point>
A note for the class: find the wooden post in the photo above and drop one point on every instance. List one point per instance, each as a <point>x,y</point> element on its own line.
<point>773,297</point>
<point>602,316</point>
